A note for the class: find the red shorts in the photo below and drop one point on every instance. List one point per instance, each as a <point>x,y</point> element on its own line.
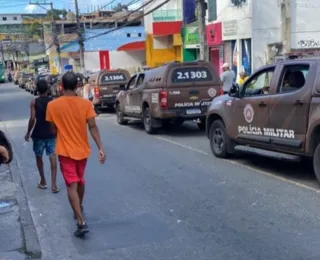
<point>72,170</point>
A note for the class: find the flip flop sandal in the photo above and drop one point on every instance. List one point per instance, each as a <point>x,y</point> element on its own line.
<point>56,190</point>
<point>42,187</point>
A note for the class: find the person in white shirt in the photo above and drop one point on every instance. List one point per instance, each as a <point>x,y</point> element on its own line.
<point>227,78</point>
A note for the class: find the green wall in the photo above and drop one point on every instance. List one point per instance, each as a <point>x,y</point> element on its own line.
<point>189,54</point>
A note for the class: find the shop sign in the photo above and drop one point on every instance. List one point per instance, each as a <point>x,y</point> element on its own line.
<point>191,36</point>
<point>230,28</point>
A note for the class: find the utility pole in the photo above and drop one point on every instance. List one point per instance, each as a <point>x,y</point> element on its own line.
<point>80,36</point>
<point>201,17</point>
<point>54,31</point>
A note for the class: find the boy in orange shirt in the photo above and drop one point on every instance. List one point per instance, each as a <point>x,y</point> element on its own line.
<point>69,116</point>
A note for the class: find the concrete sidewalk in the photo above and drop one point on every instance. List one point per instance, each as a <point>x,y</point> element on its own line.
<point>18,239</point>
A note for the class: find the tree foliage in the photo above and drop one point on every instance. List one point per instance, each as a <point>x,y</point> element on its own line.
<point>57,14</point>
<point>120,7</point>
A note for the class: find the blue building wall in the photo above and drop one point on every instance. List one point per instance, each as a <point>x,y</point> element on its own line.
<point>109,41</point>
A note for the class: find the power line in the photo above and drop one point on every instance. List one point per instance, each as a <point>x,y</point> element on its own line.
<point>129,22</point>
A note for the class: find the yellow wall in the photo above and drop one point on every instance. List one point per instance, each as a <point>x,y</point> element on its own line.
<point>157,57</point>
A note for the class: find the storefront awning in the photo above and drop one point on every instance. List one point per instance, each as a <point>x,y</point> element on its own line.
<point>133,46</point>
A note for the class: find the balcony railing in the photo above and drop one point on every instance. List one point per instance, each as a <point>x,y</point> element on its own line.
<point>167,15</point>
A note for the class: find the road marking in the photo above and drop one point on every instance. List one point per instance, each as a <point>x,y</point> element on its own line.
<point>244,166</point>
<point>181,145</point>
<point>275,176</point>
<point>265,173</point>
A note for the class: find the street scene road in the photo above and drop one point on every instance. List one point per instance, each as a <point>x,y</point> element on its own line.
<point>166,196</point>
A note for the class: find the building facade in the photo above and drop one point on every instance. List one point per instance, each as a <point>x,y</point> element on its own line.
<point>92,24</point>
<point>163,32</point>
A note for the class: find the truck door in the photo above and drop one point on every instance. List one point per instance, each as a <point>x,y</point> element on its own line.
<point>136,95</point>
<point>128,97</point>
<point>289,106</point>
<point>251,110</point>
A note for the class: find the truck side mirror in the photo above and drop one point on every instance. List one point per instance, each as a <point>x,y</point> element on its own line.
<point>235,90</point>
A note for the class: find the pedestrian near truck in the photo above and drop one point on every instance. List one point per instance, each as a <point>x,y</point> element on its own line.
<point>42,136</point>
<point>70,117</point>
<point>227,78</point>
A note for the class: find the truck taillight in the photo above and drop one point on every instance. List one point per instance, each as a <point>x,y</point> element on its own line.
<point>163,97</point>
<point>96,91</point>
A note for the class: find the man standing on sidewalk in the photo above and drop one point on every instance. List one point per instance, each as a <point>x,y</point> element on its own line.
<point>227,78</point>
<point>42,135</point>
<point>70,115</point>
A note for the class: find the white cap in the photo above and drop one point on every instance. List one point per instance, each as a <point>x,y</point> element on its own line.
<point>226,65</point>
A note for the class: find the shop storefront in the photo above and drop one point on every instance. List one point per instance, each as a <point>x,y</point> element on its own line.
<point>237,47</point>
<point>191,46</point>
<point>215,45</point>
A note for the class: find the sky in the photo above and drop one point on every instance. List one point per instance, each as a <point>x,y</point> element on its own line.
<point>22,6</point>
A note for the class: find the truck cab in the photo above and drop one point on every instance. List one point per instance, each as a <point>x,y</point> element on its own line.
<point>277,109</point>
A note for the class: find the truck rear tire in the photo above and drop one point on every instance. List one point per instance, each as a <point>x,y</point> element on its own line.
<point>316,162</point>
<point>148,121</point>
<point>120,116</point>
<point>219,139</point>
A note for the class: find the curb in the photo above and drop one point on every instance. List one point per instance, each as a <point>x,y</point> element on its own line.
<point>31,240</point>
<point>29,232</point>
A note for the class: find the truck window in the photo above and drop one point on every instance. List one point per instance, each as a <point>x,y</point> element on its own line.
<point>259,84</point>
<point>191,74</point>
<point>293,78</point>
<point>132,83</point>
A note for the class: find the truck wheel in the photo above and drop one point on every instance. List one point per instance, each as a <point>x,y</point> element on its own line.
<point>219,139</point>
<point>316,162</point>
<point>120,116</point>
<point>147,121</point>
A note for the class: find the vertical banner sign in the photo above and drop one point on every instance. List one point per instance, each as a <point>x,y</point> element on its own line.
<point>104,60</point>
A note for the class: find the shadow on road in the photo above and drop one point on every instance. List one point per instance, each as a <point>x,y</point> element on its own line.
<point>301,172</point>
<point>171,130</point>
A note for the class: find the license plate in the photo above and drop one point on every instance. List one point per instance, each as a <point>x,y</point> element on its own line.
<point>193,111</point>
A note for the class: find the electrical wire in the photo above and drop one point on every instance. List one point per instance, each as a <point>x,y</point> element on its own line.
<point>125,17</point>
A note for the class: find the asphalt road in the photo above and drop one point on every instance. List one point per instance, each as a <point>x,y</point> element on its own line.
<point>166,197</point>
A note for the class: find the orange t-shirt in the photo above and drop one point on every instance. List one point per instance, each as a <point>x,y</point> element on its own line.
<point>70,115</point>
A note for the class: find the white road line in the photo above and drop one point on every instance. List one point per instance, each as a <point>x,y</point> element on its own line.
<point>275,176</point>
<point>244,166</point>
<point>239,164</point>
<point>182,145</point>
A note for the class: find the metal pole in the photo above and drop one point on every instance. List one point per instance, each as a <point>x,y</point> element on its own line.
<point>81,42</point>
<point>54,31</point>
<point>55,38</point>
<point>201,16</point>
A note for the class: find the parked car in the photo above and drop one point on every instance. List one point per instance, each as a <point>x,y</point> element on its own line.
<point>38,77</point>
<point>57,85</point>
<point>24,78</point>
<point>29,84</point>
<point>275,113</point>
<point>173,93</point>
<point>16,77</point>
<point>106,85</point>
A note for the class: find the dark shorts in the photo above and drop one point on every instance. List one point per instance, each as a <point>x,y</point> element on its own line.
<point>72,170</point>
<point>39,145</point>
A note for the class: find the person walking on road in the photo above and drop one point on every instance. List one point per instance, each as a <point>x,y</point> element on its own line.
<point>42,136</point>
<point>70,116</point>
<point>227,78</point>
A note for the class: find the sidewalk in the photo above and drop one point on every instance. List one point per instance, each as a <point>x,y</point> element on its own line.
<point>18,239</point>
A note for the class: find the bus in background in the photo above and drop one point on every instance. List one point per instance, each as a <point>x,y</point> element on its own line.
<point>2,73</point>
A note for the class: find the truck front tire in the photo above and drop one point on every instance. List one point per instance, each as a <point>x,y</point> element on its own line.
<point>219,141</point>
